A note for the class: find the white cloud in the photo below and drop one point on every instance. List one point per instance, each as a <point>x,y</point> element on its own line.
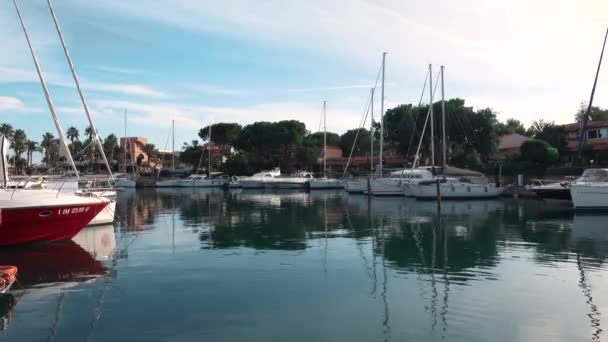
<point>115,70</point>
<point>217,90</point>
<point>17,75</point>
<point>13,104</point>
<point>525,47</point>
<point>194,117</point>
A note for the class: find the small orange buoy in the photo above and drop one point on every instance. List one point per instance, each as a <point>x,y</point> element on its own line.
<point>8,275</point>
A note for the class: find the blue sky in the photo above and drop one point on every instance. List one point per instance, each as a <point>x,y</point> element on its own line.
<point>243,61</point>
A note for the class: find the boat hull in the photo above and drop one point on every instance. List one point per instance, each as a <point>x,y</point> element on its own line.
<point>591,197</point>
<point>170,183</point>
<point>456,191</point>
<point>106,216</point>
<point>356,186</point>
<point>558,194</point>
<point>321,184</point>
<point>47,223</point>
<point>124,183</point>
<point>202,183</point>
<point>386,187</point>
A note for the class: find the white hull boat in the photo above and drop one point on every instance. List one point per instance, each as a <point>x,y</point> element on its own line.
<point>590,191</point>
<point>455,190</point>
<point>168,183</point>
<point>356,186</point>
<point>326,183</point>
<point>201,181</point>
<point>257,180</point>
<point>124,183</point>
<point>385,187</point>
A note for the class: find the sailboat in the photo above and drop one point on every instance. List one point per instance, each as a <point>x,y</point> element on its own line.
<point>203,181</point>
<point>394,183</point>
<point>122,180</point>
<point>454,183</point>
<point>171,182</point>
<point>359,185</point>
<point>591,190</point>
<point>325,183</point>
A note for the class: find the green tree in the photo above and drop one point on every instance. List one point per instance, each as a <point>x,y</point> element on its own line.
<point>362,145</point>
<point>7,131</point>
<point>49,145</point>
<point>595,114</point>
<point>550,133</point>
<point>538,154</point>
<point>149,150</point>
<point>110,146</point>
<point>221,133</point>
<point>32,146</point>
<point>511,126</point>
<point>89,132</point>
<point>19,144</point>
<point>73,134</point>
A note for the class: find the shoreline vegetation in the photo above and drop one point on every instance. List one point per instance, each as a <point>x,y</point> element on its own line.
<point>473,136</point>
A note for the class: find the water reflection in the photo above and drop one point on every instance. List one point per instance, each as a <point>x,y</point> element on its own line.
<point>48,273</point>
<point>271,265</point>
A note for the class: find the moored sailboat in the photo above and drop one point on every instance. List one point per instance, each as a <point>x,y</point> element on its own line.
<point>325,182</point>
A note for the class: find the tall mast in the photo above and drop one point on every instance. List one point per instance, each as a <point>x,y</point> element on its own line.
<point>125,147</point>
<point>95,137</point>
<point>371,131</point>
<point>445,142</point>
<point>62,139</point>
<point>173,148</point>
<point>324,141</point>
<point>382,117</point>
<point>431,115</point>
<point>582,136</point>
<point>209,152</point>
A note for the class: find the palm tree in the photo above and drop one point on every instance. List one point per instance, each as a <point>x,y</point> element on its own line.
<point>7,130</point>
<point>149,149</point>
<point>73,134</point>
<point>32,146</point>
<point>109,145</point>
<point>48,144</point>
<point>89,132</point>
<point>19,144</point>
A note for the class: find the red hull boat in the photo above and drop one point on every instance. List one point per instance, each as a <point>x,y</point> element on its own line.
<point>37,216</point>
<point>52,223</point>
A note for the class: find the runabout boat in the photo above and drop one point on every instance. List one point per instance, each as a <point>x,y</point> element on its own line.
<point>590,191</point>
<point>258,180</point>
<point>299,180</point>
<point>551,190</point>
<point>37,216</point>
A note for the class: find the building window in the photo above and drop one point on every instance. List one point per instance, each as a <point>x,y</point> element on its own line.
<point>594,134</point>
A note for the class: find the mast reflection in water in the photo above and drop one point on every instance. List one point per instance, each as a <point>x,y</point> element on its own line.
<point>198,264</point>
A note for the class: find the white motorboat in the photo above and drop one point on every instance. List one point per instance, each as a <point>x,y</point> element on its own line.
<point>201,181</point>
<point>257,180</point>
<point>590,191</point>
<point>299,180</point>
<point>551,190</point>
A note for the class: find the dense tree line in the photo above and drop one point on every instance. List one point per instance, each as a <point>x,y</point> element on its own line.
<point>472,136</point>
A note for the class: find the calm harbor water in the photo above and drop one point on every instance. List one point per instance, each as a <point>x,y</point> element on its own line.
<point>198,265</point>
